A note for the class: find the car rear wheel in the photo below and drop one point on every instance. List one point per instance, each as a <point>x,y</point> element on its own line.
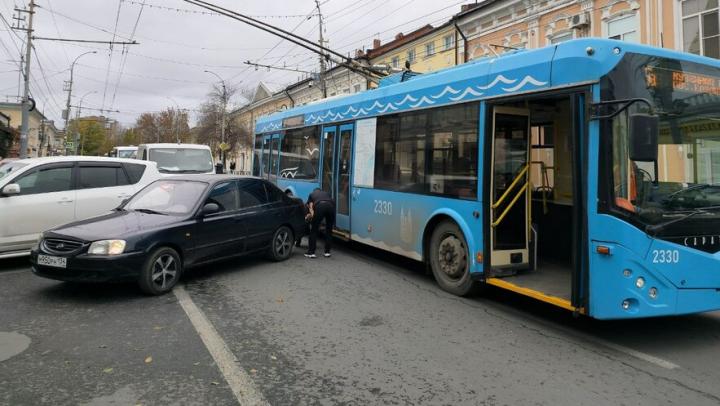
<point>161,271</point>
<point>282,244</point>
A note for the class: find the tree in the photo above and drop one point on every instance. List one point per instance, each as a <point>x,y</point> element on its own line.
<point>92,135</point>
<point>166,126</point>
<point>209,129</point>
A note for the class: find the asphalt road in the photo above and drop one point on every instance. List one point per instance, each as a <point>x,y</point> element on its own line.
<point>351,329</point>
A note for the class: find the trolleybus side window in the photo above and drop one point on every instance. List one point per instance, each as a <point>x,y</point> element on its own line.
<point>300,153</point>
<point>431,152</point>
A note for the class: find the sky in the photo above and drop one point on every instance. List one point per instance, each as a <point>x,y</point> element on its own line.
<point>177,43</point>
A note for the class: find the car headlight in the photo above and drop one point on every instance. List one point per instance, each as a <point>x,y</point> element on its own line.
<point>107,247</point>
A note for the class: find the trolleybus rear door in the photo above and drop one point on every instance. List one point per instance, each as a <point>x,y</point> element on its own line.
<point>509,190</point>
<point>343,170</point>
<point>270,156</point>
<point>328,154</point>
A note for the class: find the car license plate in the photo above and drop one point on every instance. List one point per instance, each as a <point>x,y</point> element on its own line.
<point>47,260</point>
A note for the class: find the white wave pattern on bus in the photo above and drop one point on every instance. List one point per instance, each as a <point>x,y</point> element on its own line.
<point>378,107</point>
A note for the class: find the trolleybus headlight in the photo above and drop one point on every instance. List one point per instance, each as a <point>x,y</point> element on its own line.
<point>653,293</point>
<point>627,273</point>
<point>640,282</point>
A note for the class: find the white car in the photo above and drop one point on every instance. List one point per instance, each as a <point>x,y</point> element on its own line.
<point>173,159</point>
<point>37,194</point>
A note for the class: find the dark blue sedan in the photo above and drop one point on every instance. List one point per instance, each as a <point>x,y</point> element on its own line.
<point>171,225</point>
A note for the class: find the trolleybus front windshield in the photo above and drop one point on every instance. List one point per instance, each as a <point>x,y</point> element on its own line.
<point>685,179</point>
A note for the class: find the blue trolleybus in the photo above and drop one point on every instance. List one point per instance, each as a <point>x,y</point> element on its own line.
<point>585,174</point>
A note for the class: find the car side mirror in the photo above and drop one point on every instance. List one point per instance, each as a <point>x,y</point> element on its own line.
<point>11,189</point>
<point>644,135</point>
<point>210,208</point>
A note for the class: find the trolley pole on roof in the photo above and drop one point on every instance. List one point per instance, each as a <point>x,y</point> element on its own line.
<point>321,41</point>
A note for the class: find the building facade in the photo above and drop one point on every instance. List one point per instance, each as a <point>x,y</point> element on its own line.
<point>41,132</point>
<point>426,49</point>
<point>495,26</point>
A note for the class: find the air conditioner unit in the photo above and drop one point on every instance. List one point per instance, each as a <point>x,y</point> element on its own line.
<point>580,20</point>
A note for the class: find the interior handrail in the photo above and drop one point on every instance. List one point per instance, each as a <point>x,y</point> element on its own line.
<point>512,186</point>
<point>510,205</point>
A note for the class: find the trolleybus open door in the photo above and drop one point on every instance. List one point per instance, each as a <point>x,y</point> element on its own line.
<point>510,191</point>
<point>336,171</point>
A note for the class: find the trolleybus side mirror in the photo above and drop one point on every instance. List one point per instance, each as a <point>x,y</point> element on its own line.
<point>643,137</point>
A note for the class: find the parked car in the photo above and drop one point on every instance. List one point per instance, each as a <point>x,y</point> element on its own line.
<point>175,159</point>
<point>40,193</point>
<point>171,225</point>
<point>129,151</point>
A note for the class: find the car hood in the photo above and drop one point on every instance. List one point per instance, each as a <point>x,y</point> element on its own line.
<point>116,224</point>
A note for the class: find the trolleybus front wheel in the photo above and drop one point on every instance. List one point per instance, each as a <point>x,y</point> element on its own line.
<point>450,260</point>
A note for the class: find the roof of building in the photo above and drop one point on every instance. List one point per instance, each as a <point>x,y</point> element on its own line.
<point>400,40</point>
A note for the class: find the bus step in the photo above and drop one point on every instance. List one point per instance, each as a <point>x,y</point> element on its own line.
<point>343,235</point>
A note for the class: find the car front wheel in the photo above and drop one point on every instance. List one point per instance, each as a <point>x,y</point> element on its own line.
<point>161,271</point>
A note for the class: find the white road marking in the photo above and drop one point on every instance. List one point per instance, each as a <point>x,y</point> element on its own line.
<point>240,382</point>
<point>637,354</point>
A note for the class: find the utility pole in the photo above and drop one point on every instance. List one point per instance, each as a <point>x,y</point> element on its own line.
<point>321,41</point>
<point>24,128</point>
<point>68,88</point>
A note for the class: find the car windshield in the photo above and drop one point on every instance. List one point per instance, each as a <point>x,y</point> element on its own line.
<point>10,167</point>
<point>127,153</point>
<point>168,197</point>
<point>685,97</point>
<point>182,160</point>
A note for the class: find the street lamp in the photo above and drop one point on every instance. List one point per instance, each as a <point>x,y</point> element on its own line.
<point>67,108</point>
<point>177,119</point>
<point>224,107</point>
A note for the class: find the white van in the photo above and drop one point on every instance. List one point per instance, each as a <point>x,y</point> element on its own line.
<point>37,194</point>
<point>178,158</point>
<point>129,151</point>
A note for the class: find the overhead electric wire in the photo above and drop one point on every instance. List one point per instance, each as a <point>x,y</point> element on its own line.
<point>110,57</point>
<point>125,54</point>
<point>57,29</point>
<point>305,43</point>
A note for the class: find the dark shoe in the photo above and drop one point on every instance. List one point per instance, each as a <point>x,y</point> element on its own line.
<point>327,254</point>
<point>310,255</point>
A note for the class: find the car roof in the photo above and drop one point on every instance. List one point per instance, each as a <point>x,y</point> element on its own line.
<point>210,178</point>
<point>78,158</point>
<point>175,145</point>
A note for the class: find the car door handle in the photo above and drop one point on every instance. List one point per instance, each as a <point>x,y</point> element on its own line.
<point>65,201</point>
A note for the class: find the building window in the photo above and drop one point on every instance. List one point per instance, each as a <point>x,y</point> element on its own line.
<point>700,27</point>
<point>411,55</point>
<point>396,62</point>
<point>561,37</point>
<point>448,42</point>
<point>357,88</point>
<point>624,28</point>
<point>430,49</point>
